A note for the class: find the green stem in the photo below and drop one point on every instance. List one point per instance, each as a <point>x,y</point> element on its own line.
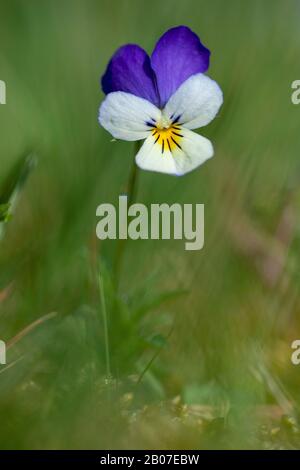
<point>157,353</point>
<point>132,186</point>
<point>105,325</point>
<point>131,191</point>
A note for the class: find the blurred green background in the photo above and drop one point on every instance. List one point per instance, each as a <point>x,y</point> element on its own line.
<point>199,342</point>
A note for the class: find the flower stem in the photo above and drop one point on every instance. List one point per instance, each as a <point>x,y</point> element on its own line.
<point>105,325</point>
<point>131,191</point>
<point>132,186</point>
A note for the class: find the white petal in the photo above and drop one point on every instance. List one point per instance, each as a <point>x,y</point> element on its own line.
<point>125,115</point>
<point>196,102</point>
<point>194,151</point>
<point>150,157</point>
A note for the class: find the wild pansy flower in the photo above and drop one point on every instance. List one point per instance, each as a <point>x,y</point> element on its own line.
<point>161,99</point>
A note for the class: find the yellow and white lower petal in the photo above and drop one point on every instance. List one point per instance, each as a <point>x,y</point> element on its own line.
<point>174,150</point>
<point>128,117</point>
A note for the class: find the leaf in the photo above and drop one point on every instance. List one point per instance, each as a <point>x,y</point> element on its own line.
<point>17,177</point>
<point>156,301</point>
<point>4,212</point>
<point>11,186</point>
<point>157,341</point>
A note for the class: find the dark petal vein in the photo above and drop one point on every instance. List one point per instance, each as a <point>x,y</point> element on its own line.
<point>176,143</point>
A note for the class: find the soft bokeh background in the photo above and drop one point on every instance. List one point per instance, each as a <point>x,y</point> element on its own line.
<point>199,342</point>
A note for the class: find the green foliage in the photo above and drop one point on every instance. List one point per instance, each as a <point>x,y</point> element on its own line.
<point>199,343</point>
<point>4,212</point>
<point>12,185</point>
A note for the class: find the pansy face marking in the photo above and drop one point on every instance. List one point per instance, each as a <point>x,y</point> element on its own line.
<point>166,134</point>
<point>161,99</point>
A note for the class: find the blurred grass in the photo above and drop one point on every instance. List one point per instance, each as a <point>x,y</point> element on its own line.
<point>222,376</point>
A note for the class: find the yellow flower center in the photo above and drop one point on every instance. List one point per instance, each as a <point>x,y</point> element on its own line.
<point>167,137</point>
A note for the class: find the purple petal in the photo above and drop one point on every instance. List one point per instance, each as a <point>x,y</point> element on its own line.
<point>177,55</point>
<point>130,70</point>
